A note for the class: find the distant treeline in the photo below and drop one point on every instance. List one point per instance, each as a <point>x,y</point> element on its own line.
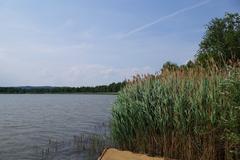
<point>111,88</point>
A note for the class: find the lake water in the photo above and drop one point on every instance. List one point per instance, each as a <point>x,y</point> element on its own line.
<point>28,121</point>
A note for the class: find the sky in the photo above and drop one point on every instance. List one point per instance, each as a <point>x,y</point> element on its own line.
<point>94,42</point>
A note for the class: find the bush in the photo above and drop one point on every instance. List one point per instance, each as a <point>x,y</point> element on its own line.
<point>189,113</point>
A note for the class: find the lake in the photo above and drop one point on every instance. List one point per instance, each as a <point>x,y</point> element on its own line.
<point>28,121</point>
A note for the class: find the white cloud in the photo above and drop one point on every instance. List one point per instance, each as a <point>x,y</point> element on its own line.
<point>92,74</point>
<point>14,71</point>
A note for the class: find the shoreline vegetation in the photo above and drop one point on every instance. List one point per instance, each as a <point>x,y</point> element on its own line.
<point>183,114</point>
<point>190,111</point>
<point>112,88</point>
<point>70,93</point>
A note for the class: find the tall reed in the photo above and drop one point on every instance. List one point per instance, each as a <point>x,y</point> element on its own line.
<point>190,113</point>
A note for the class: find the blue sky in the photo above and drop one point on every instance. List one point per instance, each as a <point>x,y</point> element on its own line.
<point>92,42</point>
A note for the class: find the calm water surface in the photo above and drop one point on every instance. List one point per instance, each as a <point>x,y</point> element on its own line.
<point>28,121</point>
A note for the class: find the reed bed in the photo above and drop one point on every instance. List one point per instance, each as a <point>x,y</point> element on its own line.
<point>188,113</point>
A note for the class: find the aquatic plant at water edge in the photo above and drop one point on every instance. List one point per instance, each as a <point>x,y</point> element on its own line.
<point>185,114</point>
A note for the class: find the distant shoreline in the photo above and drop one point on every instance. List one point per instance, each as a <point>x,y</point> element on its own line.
<point>92,93</point>
<point>112,88</point>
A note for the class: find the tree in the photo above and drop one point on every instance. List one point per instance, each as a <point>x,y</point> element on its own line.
<point>221,41</point>
<point>190,64</point>
<point>169,66</point>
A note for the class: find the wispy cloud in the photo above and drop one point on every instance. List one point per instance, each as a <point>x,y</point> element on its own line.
<point>165,18</point>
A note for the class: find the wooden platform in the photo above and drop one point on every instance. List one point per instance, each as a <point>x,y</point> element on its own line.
<point>114,154</point>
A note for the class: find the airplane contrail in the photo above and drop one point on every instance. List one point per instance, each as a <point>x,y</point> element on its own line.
<point>165,18</point>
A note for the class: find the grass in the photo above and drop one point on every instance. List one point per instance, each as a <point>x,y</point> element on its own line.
<point>86,145</point>
<point>189,113</point>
